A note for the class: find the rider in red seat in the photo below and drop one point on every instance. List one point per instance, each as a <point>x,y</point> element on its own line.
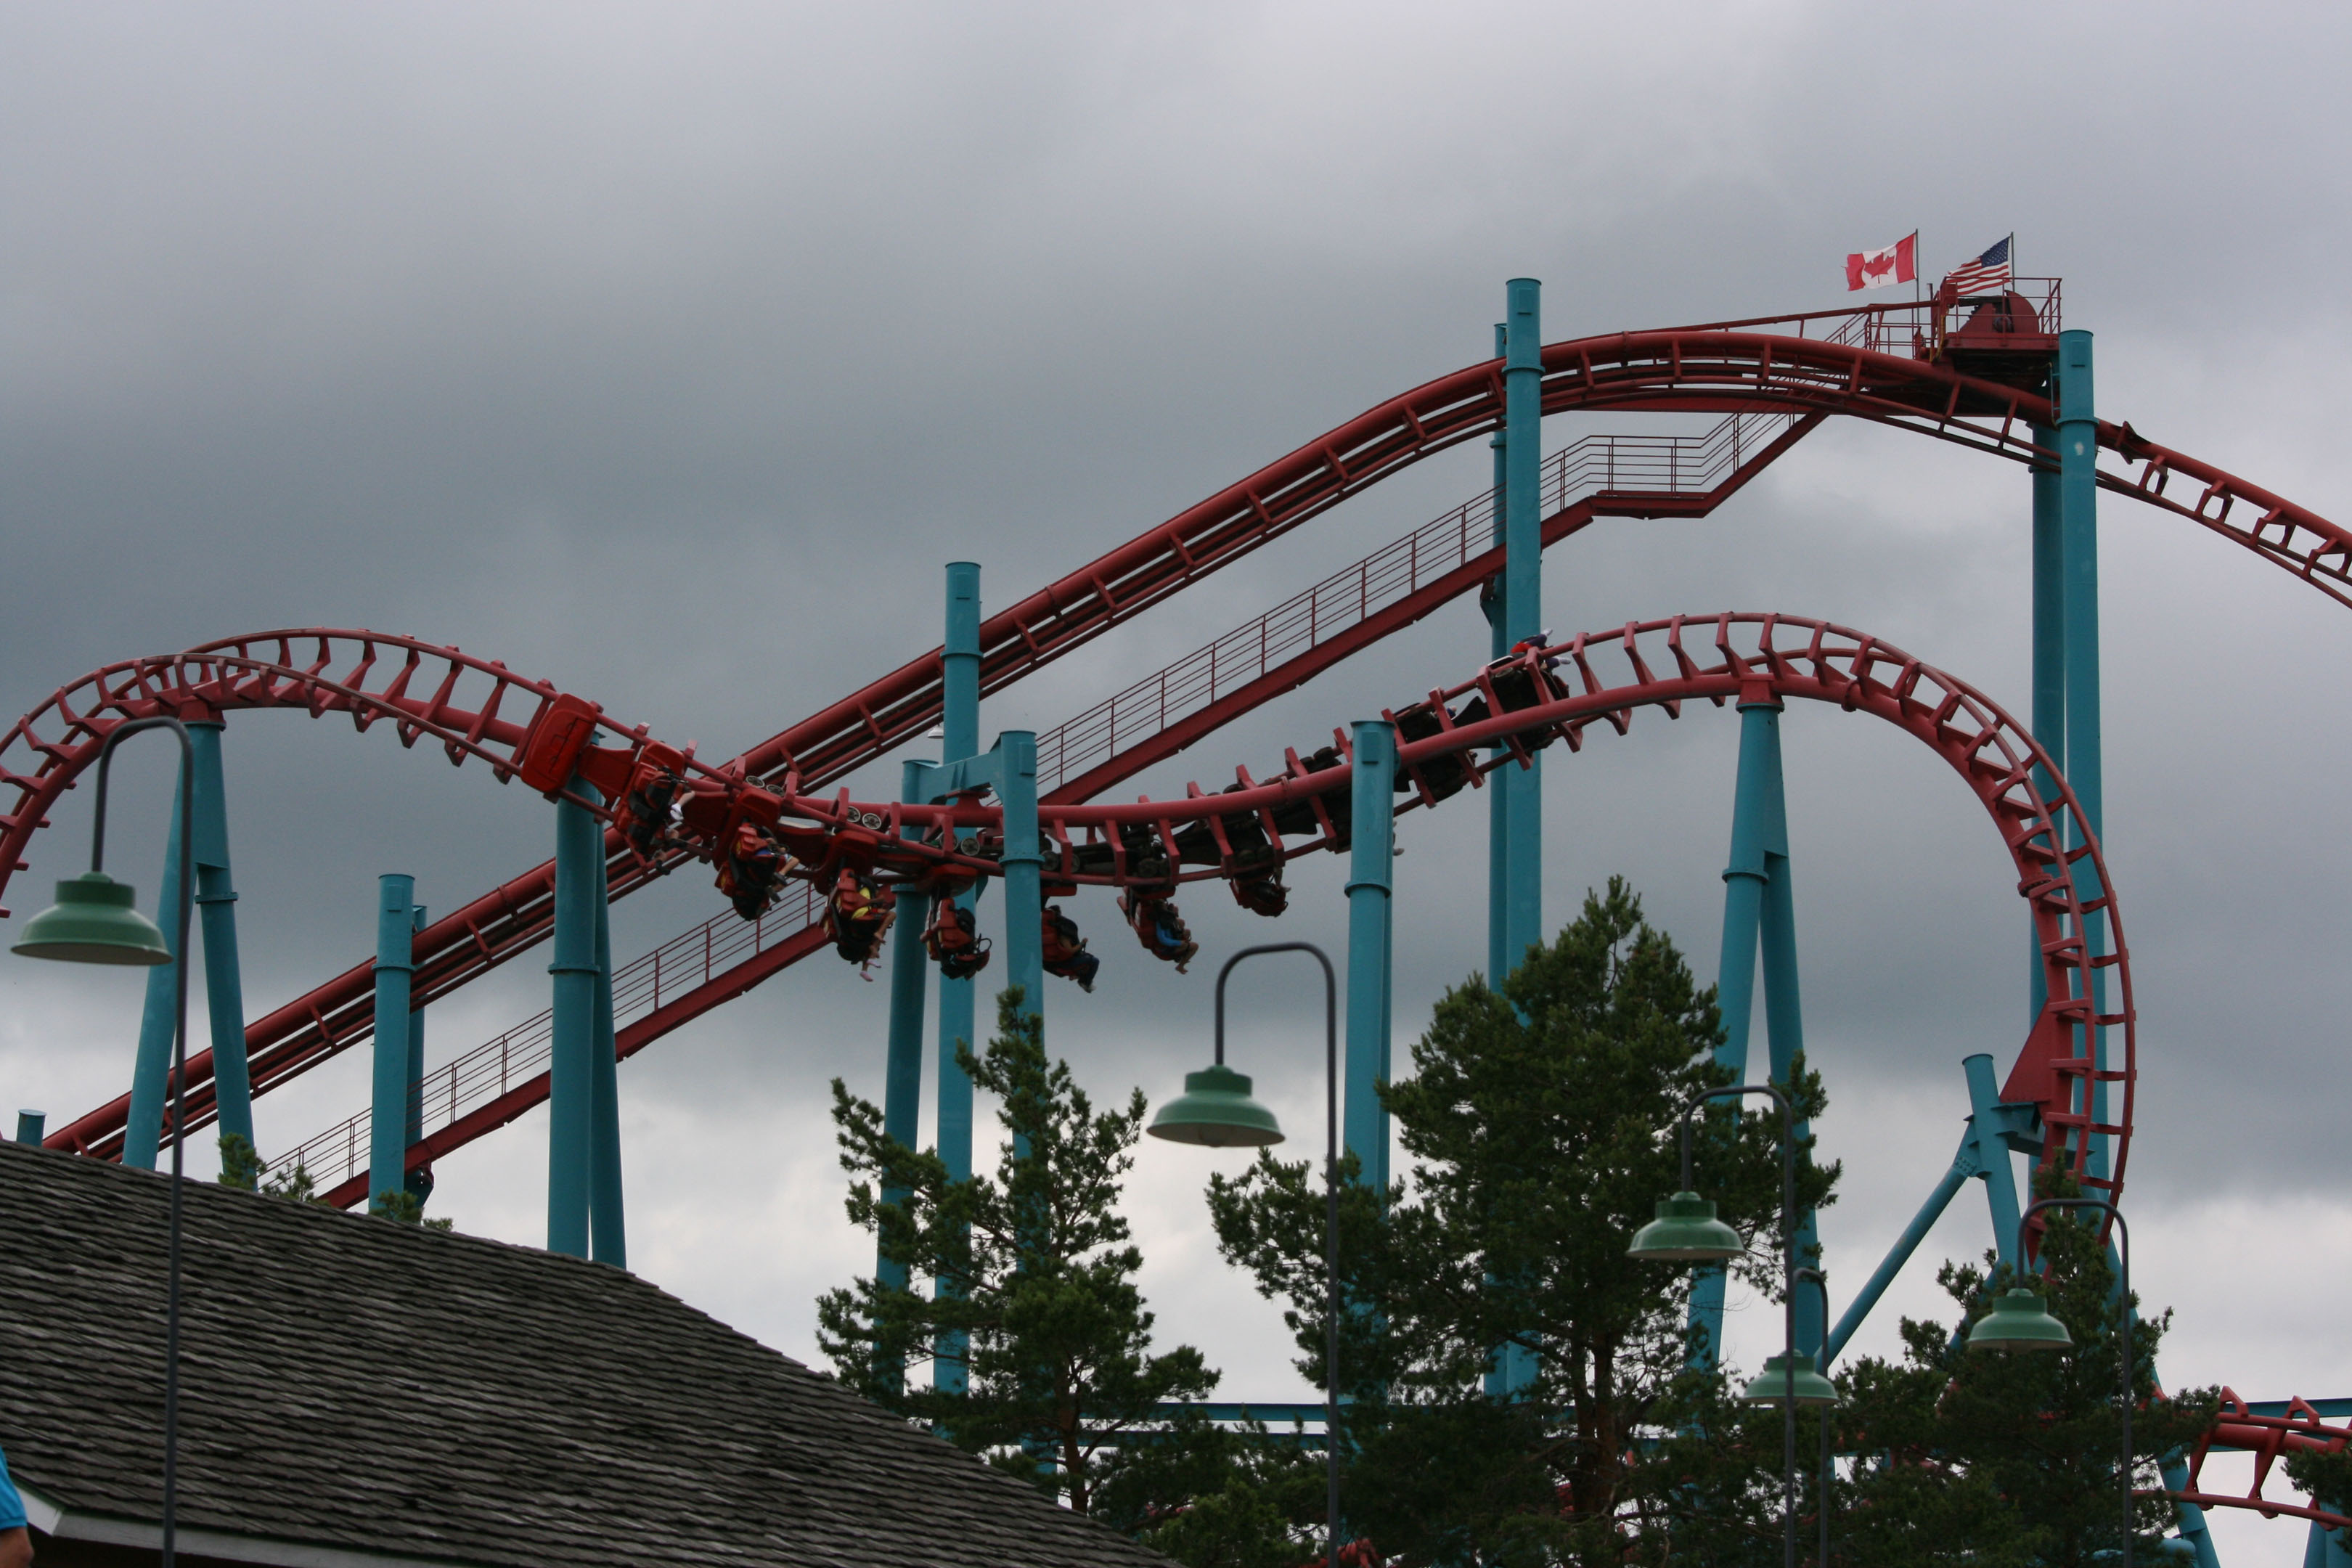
<point>1066,951</point>
<point>858,915</point>
<point>954,942</point>
<point>645,819</point>
<point>1159,928</point>
<point>1261,891</point>
<point>750,870</point>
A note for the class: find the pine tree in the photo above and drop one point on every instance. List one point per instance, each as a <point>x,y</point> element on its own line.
<point>1034,1292</point>
<point>1541,1119</point>
<point>2003,1458</point>
<point>242,1166</point>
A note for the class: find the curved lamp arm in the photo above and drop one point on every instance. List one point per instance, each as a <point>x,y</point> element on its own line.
<point>1330,1208</point>
<point>114,738</point>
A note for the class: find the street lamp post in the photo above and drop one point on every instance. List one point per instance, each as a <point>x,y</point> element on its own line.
<point>94,922</point>
<point>2019,1322</point>
<point>1216,1109</point>
<point>1686,1230</point>
<point>1822,1283</point>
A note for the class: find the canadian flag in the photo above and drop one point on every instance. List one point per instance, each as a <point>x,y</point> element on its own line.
<point>1899,263</point>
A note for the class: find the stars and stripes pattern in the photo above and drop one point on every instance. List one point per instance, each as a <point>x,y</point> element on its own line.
<point>1987,274</point>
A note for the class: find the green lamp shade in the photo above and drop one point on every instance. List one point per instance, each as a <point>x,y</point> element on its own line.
<point>93,923</point>
<point>1786,1378</point>
<point>1216,1109</point>
<point>1686,1231</point>
<point>2019,1322</point>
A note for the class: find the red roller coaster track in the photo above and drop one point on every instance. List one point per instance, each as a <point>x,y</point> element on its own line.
<point>473,706</point>
<point>1742,656</point>
<point>1718,368</point>
<point>1091,842</point>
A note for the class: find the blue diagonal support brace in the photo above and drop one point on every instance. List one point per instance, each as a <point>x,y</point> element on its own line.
<point>1759,918</point>
<point>215,901</point>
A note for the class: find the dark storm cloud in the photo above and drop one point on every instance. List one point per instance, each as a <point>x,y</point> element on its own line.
<point>667,351</point>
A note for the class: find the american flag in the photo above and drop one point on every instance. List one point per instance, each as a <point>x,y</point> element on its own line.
<point>1986,273</point>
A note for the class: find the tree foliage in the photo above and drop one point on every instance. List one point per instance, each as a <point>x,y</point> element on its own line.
<point>1033,1293</point>
<point>1541,1119</point>
<point>1540,1122</point>
<point>243,1167</point>
<point>2005,1458</point>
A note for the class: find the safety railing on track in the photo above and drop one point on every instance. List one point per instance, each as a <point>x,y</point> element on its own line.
<point>1909,328</point>
<point>639,987</point>
<point>1648,465</point>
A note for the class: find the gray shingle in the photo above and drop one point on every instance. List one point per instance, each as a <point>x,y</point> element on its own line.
<point>353,1382</point>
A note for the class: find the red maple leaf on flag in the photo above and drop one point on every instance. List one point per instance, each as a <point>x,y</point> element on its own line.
<point>1899,263</point>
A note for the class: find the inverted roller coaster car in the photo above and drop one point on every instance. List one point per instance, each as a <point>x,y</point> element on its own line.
<point>1064,950</point>
<point>1159,928</point>
<point>649,805</point>
<point>559,735</point>
<point>953,941</point>
<point>751,870</point>
<point>858,913</point>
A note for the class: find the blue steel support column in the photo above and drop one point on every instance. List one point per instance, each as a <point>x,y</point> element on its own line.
<point>395,930</point>
<point>2075,496</point>
<point>902,1079</point>
<point>1370,947</point>
<point>1523,598</point>
<point>151,1069</point>
<point>224,990</point>
<point>1025,904</point>
<point>2078,500</point>
<point>958,738</point>
<point>1498,798</point>
<point>1784,1021</point>
<point>571,1075</point>
<point>216,906</point>
<point>2049,668</point>
<point>607,1224</point>
<point>1755,843</point>
<point>2324,1548</point>
<point>1521,790</point>
<point>418,1182</point>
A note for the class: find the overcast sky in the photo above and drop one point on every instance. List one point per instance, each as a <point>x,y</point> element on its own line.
<point>666,352</point>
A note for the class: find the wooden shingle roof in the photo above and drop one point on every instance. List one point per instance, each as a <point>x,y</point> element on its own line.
<point>381,1389</point>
